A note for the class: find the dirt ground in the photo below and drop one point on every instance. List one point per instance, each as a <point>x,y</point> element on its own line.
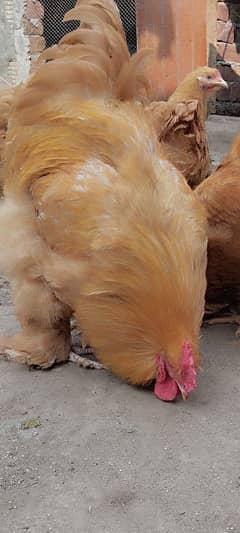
<point>104,457</point>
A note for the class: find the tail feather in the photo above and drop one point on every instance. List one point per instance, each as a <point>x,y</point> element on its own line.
<point>117,49</point>
<point>104,38</point>
<point>84,52</point>
<point>132,81</point>
<point>60,78</point>
<point>85,36</point>
<point>94,15</point>
<point>109,5</point>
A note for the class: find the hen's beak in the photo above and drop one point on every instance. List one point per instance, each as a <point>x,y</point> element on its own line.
<point>217,82</point>
<point>220,82</point>
<point>184,393</point>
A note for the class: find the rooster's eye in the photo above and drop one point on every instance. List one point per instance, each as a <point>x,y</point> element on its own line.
<point>209,77</point>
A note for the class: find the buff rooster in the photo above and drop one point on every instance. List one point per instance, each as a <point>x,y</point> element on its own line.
<point>180,123</point>
<point>220,194</point>
<point>100,226</point>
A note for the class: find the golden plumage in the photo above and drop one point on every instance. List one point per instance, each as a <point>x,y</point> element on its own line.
<point>102,226</point>
<point>113,231</point>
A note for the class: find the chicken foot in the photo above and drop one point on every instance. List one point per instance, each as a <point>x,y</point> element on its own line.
<point>22,357</point>
<point>80,348</point>
<point>230,319</point>
<point>17,348</point>
<point>84,362</point>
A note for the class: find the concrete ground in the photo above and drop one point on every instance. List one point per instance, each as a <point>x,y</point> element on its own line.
<point>104,457</point>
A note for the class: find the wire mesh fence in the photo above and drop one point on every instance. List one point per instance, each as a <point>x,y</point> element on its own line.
<point>55,29</point>
<point>127,10</point>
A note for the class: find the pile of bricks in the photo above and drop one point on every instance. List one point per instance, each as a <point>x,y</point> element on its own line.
<point>33,29</point>
<point>228,56</point>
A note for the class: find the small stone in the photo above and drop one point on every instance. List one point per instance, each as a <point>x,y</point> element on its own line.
<point>31,423</point>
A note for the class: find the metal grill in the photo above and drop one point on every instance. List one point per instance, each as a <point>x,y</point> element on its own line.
<point>55,29</point>
<point>127,10</point>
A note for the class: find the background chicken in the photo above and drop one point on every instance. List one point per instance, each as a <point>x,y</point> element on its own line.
<point>100,226</point>
<point>180,123</point>
<point>220,195</point>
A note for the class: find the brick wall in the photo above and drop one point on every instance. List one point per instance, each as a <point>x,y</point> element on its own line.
<point>228,56</point>
<point>33,28</point>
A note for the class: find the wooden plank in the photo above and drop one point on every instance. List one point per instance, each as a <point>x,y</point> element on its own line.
<point>177,32</point>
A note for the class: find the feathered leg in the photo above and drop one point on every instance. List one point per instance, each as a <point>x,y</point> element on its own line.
<point>45,336</point>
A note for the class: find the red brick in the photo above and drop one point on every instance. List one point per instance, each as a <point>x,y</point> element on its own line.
<point>37,43</point>
<point>33,26</point>
<point>228,52</point>
<point>222,11</point>
<point>225,31</point>
<point>34,9</point>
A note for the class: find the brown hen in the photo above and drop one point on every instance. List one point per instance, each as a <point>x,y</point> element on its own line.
<point>220,194</point>
<point>180,123</point>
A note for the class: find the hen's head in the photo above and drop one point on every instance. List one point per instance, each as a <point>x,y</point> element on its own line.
<point>173,380</point>
<point>210,79</point>
<point>199,84</point>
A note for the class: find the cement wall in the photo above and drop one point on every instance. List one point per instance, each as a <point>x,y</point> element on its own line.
<point>14,44</point>
<point>7,50</point>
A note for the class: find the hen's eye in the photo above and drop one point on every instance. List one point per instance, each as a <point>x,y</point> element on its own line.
<point>208,77</point>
